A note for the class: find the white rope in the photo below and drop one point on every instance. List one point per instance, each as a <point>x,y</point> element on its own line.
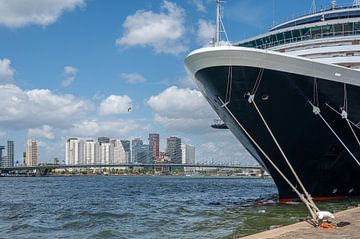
<point>352,130</point>
<point>229,86</point>
<point>258,81</point>
<point>352,123</point>
<point>308,196</point>
<point>313,210</point>
<point>331,129</point>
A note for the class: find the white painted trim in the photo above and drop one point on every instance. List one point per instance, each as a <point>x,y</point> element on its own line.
<point>242,56</point>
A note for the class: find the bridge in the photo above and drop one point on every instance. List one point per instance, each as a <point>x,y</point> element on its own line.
<point>45,169</point>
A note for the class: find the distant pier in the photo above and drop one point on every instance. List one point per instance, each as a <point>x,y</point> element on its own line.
<point>348,227</point>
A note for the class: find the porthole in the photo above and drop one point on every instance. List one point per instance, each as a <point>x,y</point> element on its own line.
<point>334,190</point>
<point>265,97</point>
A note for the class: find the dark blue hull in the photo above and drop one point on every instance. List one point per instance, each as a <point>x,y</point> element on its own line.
<point>324,166</point>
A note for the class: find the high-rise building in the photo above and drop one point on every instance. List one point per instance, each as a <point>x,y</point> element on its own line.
<point>106,153</point>
<point>135,146</point>
<point>120,155</point>
<point>187,154</point>
<point>173,149</point>
<point>144,154</point>
<point>32,157</point>
<point>10,153</point>
<point>1,155</point>
<point>91,152</point>
<point>72,151</point>
<point>127,148</point>
<point>103,140</point>
<point>154,143</point>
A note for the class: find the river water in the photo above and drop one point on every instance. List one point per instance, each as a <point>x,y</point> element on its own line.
<point>142,207</point>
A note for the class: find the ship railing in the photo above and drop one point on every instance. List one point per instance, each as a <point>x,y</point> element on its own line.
<point>283,20</point>
<point>307,37</point>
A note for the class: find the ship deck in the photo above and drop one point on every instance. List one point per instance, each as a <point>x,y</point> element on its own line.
<point>348,219</point>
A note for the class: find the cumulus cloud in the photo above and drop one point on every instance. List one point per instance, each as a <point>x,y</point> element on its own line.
<point>182,110</point>
<point>20,13</point>
<point>205,32</point>
<point>132,78</point>
<point>199,4</point>
<point>96,127</point>
<point>45,131</point>
<point>163,31</point>
<point>70,73</point>
<point>22,109</point>
<point>115,104</point>
<point>6,71</point>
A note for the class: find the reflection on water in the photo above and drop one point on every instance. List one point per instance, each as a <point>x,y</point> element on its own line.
<point>143,207</point>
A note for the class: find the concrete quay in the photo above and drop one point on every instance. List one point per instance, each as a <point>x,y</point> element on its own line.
<point>348,227</point>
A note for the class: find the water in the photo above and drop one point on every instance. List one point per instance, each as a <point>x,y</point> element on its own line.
<point>142,207</point>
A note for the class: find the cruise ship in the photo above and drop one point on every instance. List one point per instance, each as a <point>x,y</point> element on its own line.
<point>291,96</point>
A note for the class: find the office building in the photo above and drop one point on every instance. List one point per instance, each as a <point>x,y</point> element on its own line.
<point>135,145</point>
<point>187,154</point>
<point>154,143</point>
<point>1,155</point>
<point>32,156</point>
<point>10,153</point>
<point>173,149</point>
<point>126,145</point>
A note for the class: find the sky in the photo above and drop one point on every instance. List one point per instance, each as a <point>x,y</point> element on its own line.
<point>90,68</point>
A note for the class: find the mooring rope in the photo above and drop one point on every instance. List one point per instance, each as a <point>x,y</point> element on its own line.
<point>310,206</point>
<point>308,196</point>
<point>316,111</point>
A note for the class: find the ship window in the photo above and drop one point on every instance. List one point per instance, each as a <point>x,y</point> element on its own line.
<point>305,32</point>
<point>338,28</point>
<point>327,30</point>
<point>348,28</point>
<point>296,33</point>
<point>287,35</point>
<point>280,36</point>
<point>259,42</point>
<point>316,32</point>
<point>357,27</point>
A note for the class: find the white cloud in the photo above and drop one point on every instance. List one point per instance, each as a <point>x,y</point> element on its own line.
<point>163,31</point>
<point>20,13</point>
<point>199,4</point>
<point>70,73</point>
<point>184,110</point>
<point>6,72</point>
<point>206,31</point>
<point>43,132</point>
<point>132,78</point>
<point>225,148</point>
<point>22,109</point>
<point>95,128</point>
<point>115,104</point>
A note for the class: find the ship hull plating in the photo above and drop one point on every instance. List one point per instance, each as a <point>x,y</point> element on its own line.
<point>324,166</point>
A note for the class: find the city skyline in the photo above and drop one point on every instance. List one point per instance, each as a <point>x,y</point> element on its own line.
<point>83,70</point>
<point>122,151</point>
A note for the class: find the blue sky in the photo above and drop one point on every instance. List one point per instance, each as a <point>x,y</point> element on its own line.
<point>74,67</point>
